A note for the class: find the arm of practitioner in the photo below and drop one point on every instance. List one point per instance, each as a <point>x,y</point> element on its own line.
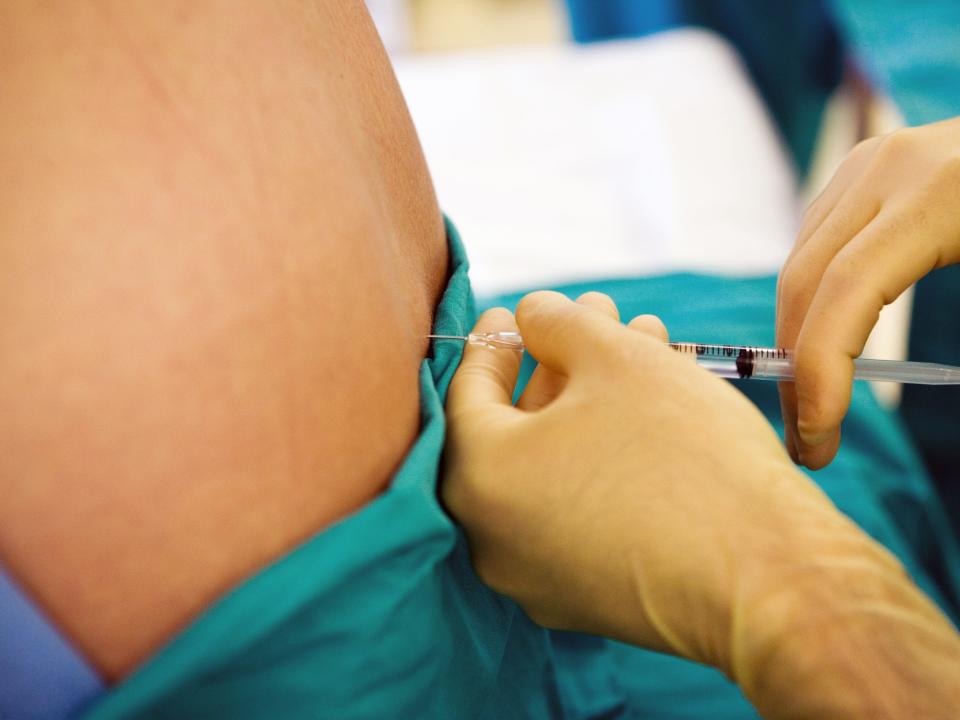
<point>633,495</point>
<point>889,216</point>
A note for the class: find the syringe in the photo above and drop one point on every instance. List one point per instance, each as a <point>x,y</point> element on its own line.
<point>758,363</point>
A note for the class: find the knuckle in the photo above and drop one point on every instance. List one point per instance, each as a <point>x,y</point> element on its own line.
<point>892,148</point>
<point>792,276</point>
<point>650,325</point>
<point>865,147</point>
<point>599,301</point>
<point>847,283</point>
<point>528,305</point>
<point>786,281</point>
<point>812,217</point>
<point>495,316</point>
<point>841,276</point>
<point>793,287</point>
<point>594,296</point>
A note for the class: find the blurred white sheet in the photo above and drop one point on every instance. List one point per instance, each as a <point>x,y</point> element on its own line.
<point>392,18</point>
<point>629,158</point>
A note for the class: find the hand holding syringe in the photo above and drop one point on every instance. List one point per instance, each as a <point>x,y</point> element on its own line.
<point>888,217</point>
<point>757,363</point>
<point>619,495</point>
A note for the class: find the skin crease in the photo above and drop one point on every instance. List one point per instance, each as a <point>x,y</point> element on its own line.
<point>202,203</point>
<point>889,216</point>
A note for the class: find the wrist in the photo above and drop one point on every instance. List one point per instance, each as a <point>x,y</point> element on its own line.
<point>844,634</point>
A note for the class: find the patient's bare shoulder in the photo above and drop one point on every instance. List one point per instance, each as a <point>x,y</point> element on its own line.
<point>219,253</point>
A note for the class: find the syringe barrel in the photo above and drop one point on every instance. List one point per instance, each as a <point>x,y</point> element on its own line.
<point>719,367</point>
<point>892,371</point>
<point>863,369</point>
<point>773,368</point>
<point>737,361</point>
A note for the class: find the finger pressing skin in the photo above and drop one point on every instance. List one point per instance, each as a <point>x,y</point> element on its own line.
<point>650,325</point>
<point>564,335</point>
<point>486,377</point>
<point>545,384</point>
<point>868,273</point>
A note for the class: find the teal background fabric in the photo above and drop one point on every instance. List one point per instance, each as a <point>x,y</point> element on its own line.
<point>794,51</point>
<point>789,47</point>
<point>877,479</point>
<point>912,51</point>
<point>381,615</point>
<point>378,616</point>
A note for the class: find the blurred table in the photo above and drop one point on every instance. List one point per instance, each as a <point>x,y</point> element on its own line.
<point>569,163</point>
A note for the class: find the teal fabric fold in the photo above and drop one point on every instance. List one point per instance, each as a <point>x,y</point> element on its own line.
<point>381,615</point>
<point>877,479</point>
<point>378,616</point>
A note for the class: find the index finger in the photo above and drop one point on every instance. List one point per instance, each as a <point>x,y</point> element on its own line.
<point>564,335</point>
<point>870,272</point>
<point>486,376</point>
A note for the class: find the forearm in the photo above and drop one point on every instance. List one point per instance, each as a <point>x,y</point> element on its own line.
<point>845,634</point>
<point>810,616</point>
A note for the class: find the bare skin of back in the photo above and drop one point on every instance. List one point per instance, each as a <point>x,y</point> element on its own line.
<point>219,254</point>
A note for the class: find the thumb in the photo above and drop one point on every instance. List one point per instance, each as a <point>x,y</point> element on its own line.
<point>564,335</point>
<point>486,376</point>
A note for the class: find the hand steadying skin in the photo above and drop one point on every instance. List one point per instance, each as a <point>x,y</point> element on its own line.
<point>632,494</point>
<point>889,216</point>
